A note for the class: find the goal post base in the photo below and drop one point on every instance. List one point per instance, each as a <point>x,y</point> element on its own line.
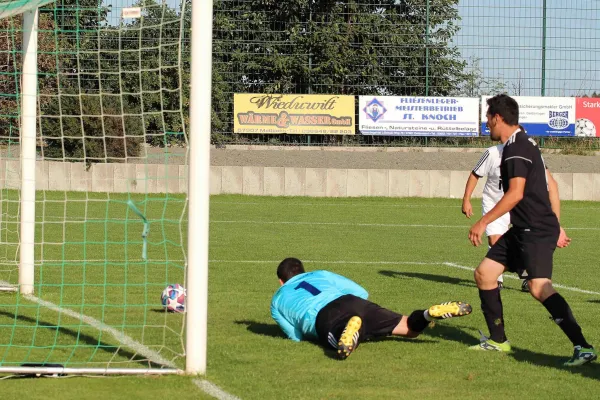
<point>61,371</point>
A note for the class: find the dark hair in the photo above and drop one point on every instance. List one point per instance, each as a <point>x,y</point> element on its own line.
<point>289,268</point>
<point>504,106</point>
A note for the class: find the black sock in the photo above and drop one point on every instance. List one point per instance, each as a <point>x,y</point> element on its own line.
<point>416,321</point>
<point>563,316</point>
<point>491,305</point>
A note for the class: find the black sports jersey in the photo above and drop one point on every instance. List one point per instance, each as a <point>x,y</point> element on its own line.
<point>522,158</point>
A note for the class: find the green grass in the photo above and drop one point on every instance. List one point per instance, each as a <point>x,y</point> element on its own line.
<point>389,246</point>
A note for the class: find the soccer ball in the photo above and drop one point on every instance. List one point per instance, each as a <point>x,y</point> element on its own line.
<point>585,128</point>
<point>173,298</point>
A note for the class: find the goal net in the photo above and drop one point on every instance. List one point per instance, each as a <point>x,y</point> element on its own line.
<point>93,222</point>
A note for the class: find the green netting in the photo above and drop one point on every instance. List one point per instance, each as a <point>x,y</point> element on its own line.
<point>8,8</point>
<point>110,201</point>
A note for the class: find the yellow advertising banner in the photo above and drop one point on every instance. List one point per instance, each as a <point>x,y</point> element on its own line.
<point>313,114</point>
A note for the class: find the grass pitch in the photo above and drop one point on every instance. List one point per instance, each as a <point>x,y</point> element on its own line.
<point>408,253</point>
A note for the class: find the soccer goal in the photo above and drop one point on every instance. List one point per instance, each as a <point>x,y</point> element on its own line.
<point>103,190</point>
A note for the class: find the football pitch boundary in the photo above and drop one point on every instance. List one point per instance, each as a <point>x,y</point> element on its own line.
<point>367,224</point>
<point>440,263</point>
<point>375,204</point>
<point>213,390</point>
<point>206,386</point>
<point>120,337</point>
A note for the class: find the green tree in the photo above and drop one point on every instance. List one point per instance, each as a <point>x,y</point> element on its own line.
<point>83,111</point>
<point>391,47</point>
<point>11,59</point>
<point>594,94</point>
<point>152,50</point>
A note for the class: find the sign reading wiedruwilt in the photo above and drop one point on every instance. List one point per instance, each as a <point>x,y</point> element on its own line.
<point>293,114</point>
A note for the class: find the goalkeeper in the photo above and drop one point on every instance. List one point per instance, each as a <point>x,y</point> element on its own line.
<point>334,310</point>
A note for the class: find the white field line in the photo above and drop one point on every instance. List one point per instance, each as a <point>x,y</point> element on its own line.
<point>213,390</point>
<point>360,224</point>
<point>120,337</point>
<point>356,204</point>
<point>556,285</point>
<point>359,203</point>
<point>324,262</point>
<point>444,263</point>
<point>336,224</point>
<point>204,385</point>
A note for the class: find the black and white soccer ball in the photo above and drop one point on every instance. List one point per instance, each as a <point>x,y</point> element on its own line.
<point>584,128</point>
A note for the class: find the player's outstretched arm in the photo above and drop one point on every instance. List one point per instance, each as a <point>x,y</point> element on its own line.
<point>467,208</point>
<point>285,326</point>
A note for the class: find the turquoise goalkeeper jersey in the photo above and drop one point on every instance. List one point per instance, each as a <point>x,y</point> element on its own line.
<point>296,304</point>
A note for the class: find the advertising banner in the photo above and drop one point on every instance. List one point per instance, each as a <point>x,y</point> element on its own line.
<point>418,116</point>
<point>587,117</point>
<point>540,116</point>
<point>293,114</point>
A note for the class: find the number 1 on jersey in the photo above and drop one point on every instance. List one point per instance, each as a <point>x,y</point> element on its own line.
<point>308,287</point>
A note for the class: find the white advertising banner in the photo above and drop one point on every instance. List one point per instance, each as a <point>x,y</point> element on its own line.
<point>418,116</point>
<point>540,116</point>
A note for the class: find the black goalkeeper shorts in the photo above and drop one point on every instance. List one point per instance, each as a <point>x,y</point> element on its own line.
<point>528,255</point>
<point>332,319</point>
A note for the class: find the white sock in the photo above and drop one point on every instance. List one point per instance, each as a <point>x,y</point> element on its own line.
<point>426,315</point>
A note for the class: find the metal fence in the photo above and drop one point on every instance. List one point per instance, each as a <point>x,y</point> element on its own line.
<point>402,47</point>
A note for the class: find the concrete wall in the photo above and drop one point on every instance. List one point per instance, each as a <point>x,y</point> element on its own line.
<point>330,182</point>
<point>117,178</point>
<point>271,181</point>
<point>372,149</point>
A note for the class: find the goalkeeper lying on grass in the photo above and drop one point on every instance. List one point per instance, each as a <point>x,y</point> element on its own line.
<point>335,311</point>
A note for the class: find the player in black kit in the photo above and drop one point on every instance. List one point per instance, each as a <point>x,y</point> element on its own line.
<point>527,248</point>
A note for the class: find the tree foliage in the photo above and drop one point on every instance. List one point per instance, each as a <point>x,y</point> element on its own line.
<point>385,47</point>
<point>104,88</point>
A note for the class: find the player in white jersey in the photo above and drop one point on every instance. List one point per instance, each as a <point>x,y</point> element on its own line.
<point>488,166</point>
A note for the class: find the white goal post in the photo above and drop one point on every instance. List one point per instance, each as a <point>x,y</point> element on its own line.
<point>199,186</point>
<point>28,150</point>
<point>194,330</point>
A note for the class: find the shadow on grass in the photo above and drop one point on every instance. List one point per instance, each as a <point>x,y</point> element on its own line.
<point>594,301</point>
<point>446,332</point>
<point>262,329</point>
<point>164,311</point>
<point>399,339</point>
<point>273,330</point>
<point>435,278</point>
<point>81,338</point>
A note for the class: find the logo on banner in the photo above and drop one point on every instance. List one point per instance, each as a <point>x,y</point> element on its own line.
<point>374,110</point>
<point>558,119</point>
<point>585,128</point>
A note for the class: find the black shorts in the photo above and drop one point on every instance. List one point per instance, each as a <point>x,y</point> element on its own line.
<point>376,321</point>
<point>528,254</point>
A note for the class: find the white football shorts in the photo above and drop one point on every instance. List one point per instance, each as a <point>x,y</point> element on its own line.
<point>499,226</point>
